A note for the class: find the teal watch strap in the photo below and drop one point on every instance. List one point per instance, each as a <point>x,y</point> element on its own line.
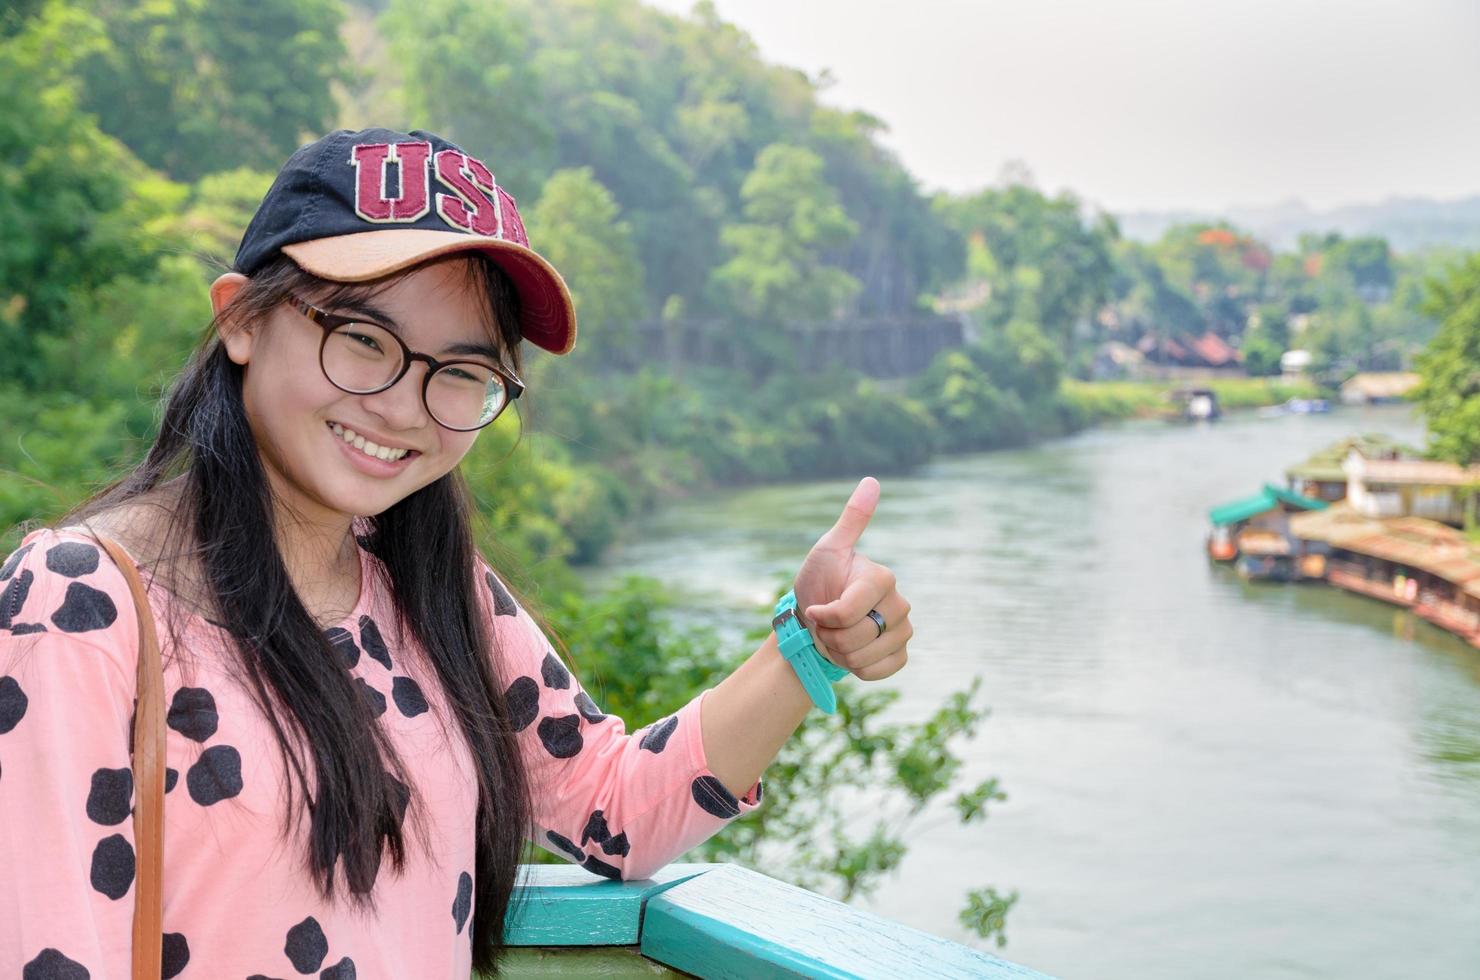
<point>815,671</point>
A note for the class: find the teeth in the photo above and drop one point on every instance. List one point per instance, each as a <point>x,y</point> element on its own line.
<point>365,445</point>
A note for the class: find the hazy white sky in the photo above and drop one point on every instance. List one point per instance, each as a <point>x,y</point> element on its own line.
<point>1154,103</point>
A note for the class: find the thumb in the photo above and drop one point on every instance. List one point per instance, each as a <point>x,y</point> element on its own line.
<point>855,517</point>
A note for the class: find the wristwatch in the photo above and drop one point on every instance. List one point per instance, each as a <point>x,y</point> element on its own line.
<point>815,671</point>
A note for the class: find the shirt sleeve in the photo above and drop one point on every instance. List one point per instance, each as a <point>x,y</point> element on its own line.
<point>622,806</point>
<point>68,655</point>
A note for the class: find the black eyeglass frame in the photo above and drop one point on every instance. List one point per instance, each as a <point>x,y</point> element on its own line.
<point>332,321</point>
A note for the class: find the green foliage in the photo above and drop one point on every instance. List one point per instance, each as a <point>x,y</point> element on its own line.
<point>76,206</point>
<point>986,913</point>
<point>200,86</point>
<point>575,225</point>
<point>1044,261</point>
<point>777,268</point>
<point>1450,367</point>
<point>464,74</point>
<point>1261,354</point>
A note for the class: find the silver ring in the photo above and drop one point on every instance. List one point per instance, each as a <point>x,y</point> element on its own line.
<point>878,619</point>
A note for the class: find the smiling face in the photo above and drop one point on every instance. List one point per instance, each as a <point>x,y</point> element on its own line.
<point>317,441</point>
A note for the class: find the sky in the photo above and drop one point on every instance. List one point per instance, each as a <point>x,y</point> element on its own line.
<point>1153,104</point>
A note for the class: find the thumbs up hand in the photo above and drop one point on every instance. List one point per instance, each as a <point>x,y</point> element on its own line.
<point>837,587</point>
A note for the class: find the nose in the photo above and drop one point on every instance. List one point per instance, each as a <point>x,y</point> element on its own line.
<point>401,405</point>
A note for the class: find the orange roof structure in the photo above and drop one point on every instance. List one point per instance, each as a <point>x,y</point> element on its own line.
<point>1214,350</point>
<point>1411,541</point>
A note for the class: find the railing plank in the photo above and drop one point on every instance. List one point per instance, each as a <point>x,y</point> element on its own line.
<point>736,924</point>
<point>566,905</point>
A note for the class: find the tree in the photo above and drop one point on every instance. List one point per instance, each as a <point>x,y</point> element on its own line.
<point>778,269</point>
<point>77,207</point>
<point>198,86</point>
<point>1450,368</point>
<point>467,73</point>
<point>575,225</point>
<point>1045,261</point>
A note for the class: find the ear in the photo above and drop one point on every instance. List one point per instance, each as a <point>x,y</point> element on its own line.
<point>235,336</point>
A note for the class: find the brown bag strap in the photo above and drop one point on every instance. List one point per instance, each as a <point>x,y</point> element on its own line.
<point>149,764</point>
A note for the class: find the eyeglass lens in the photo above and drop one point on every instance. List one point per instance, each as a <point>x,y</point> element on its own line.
<point>365,358</point>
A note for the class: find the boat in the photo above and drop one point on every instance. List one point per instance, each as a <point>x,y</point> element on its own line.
<point>1196,404</point>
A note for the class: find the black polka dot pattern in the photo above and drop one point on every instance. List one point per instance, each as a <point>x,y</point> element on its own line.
<point>372,697</point>
<point>343,970</point>
<point>216,775</point>
<point>108,799</point>
<point>561,735</point>
<point>176,955</point>
<point>14,598</point>
<point>523,697</point>
<point>113,866</point>
<point>72,559</point>
<point>557,678</point>
<point>596,829</point>
<point>193,713</point>
<point>588,708</point>
<point>344,644</point>
<point>22,629</point>
<point>50,964</point>
<point>84,609</point>
<point>171,776</point>
<point>599,867</point>
<point>373,643</point>
<point>408,696</point>
<point>462,903</point>
<point>713,798</point>
<point>14,562</point>
<point>503,604</point>
<point>13,702</point>
<point>306,945</point>
<point>656,739</point>
<point>565,844</point>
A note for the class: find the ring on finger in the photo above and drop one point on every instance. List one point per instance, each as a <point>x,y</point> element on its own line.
<point>878,619</point>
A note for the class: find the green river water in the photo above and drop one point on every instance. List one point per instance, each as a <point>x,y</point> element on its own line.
<point>1206,778</point>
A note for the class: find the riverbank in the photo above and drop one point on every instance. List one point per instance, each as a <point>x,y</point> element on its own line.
<point>658,440</point>
<point>1102,401</point>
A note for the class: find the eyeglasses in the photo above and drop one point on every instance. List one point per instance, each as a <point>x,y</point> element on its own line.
<point>364,358</point>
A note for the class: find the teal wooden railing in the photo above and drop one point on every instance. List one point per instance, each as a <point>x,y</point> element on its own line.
<point>717,920</point>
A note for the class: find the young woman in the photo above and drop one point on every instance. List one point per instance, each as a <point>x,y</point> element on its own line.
<point>364,725</point>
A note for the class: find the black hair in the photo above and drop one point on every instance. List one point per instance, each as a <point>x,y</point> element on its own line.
<point>219,538</point>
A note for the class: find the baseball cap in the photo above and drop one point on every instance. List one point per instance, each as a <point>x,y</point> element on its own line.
<point>355,206</point>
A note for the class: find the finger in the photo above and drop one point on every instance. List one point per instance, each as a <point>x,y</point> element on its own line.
<point>859,596</point>
<point>883,668</point>
<point>875,651</point>
<point>855,517</point>
<point>895,609</point>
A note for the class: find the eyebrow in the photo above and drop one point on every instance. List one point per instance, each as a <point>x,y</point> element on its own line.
<point>384,319</point>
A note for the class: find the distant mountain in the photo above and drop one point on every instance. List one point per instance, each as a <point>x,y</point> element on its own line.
<point>1408,223</point>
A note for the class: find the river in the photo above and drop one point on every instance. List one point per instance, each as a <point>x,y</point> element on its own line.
<point>1206,778</point>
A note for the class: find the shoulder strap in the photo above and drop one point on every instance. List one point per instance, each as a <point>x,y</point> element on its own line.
<point>149,762</point>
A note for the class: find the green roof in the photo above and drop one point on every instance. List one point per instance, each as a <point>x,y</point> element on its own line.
<point>1268,498</point>
<point>1325,466</point>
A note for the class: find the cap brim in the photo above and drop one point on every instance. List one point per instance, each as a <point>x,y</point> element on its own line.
<point>547,315</point>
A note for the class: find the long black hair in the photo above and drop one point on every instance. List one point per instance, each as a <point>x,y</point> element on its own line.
<point>219,539</point>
